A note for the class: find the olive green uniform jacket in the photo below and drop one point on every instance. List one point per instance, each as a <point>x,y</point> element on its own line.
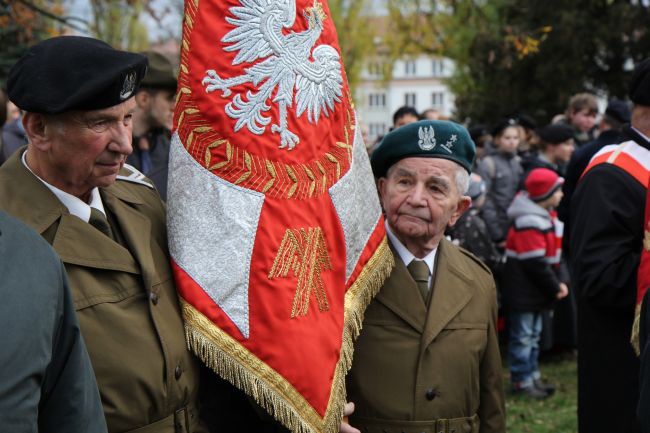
<point>430,370</point>
<point>124,297</point>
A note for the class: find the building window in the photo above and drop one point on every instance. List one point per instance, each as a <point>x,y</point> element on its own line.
<point>375,69</point>
<point>376,129</point>
<point>409,99</point>
<point>438,66</point>
<point>437,99</point>
<point>377,100</point>
<point>409,67</point>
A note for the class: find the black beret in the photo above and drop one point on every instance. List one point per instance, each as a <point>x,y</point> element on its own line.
<point>527,121</point>
<point>555,133</point>
<point>160,74</point>
<point>426,138</point>
<point>69,73</point>
<point>503,124</point>
<point>640,84</point>
<point>619,111</point>
<point>478,131</point>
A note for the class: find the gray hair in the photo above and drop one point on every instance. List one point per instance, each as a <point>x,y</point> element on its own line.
<point>462,181</point>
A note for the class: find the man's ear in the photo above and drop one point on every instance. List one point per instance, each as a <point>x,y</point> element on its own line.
<point>463,204</point>
<point>37,130</point>
<point>142,98</point>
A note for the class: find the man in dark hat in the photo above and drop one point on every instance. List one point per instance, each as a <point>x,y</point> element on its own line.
<point>107,222</point>
<point>153,121</point>
<point>556,146</point>
<point>607,217</point>
<point>611,125</point>
<point>428,358</point>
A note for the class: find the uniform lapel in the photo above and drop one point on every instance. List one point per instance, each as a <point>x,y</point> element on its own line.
<point>451,292</point>
<point>400,294</point>
<point>79,243</point>
<point>135,227</point>
<point>76,241</point>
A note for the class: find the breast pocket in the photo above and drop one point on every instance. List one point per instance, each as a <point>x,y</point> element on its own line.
<point>97,286</point>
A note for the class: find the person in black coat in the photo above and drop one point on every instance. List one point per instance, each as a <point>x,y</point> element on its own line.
<point>607,215</point>
<point>644,377</point>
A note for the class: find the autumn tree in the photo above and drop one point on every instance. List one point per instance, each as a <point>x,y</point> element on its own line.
<point>353,21</point>
<point>516,55</point>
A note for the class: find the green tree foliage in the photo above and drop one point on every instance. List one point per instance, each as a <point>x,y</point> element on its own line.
<point>356,35</point>
<point>117,22</point>
<point>21,25</point>
<point>531,56</point>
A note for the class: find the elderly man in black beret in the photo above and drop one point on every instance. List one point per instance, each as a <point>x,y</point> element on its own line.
<point>153,121</point>
<point>607,214</point>
<point>107,222</point>
<point>427,359</point>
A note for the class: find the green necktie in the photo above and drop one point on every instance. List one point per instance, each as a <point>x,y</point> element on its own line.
<point>420,273</point>
<point>99,221</point>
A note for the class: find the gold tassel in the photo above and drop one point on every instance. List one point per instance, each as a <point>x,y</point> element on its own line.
<point>236,364</point>
<point>634,339</point>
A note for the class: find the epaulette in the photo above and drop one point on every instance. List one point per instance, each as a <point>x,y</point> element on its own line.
<point>131,174</point>
<point>476,259</point>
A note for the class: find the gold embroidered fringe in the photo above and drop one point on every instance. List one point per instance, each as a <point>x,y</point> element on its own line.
<point>235,363</point>
<point>634,339</point>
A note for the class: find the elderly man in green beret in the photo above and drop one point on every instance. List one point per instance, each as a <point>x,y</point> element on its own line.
<point>427,359</point>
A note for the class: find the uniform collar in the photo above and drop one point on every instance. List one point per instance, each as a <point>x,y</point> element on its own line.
<point>406,256</point>
<point>74,205</point>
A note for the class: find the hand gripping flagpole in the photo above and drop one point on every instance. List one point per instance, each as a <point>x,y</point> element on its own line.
<point>275,229</point>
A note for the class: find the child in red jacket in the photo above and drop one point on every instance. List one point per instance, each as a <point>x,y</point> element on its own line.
<point>533,278</point>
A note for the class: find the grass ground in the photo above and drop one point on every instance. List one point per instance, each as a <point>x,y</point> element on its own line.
<point>556,414</point>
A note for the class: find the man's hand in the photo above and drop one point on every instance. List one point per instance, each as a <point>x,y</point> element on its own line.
<point>345,427</point>
<point>564,290</point>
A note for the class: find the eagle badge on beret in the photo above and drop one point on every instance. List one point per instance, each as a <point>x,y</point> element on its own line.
<point>129,85</point>
<point>427,139</point>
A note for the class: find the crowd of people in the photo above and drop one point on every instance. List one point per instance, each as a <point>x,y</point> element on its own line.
<point>550,220</point>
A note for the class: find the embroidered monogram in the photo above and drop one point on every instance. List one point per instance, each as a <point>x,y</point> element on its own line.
<point>304,252</point>
<point>128,86</point>
<point>427,139</point>
<point>285,64</point>
<point>449,145</point>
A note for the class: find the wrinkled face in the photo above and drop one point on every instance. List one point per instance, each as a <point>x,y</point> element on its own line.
<point>562,152</point>
<point>421,198</point>
<point>584,120</point>
<point>405,120</point>
<point>161,109</point>
<point>509,139</point>
<point>87,149</point>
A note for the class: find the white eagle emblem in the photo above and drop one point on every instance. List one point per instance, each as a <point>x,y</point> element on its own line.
<point>259,34</point>
<point>427,139</point>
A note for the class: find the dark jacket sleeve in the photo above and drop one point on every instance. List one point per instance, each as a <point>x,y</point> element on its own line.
<point>606,237</point>
<point>491,212</point>
<point>540,272</point>
<point>69,397</point>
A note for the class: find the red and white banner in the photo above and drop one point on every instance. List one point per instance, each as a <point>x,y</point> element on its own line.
<point>275,229</point>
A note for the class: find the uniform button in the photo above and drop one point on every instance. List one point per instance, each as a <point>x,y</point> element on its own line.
<point>154,298</point>
<point>178,372</point>
<point>430,394</point>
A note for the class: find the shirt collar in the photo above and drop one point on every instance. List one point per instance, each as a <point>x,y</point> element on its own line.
<point>640,133</point>
<point>74,204</point>
<point>404,254</point>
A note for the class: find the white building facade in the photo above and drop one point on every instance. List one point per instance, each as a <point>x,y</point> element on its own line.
<point>419,82</point>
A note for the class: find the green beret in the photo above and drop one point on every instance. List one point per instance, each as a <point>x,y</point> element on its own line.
<point>426,138</point>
